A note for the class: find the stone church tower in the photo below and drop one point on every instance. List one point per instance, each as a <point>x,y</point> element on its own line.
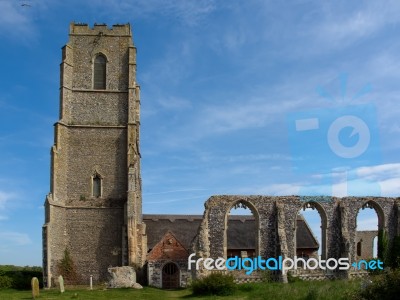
<point>94,208</point>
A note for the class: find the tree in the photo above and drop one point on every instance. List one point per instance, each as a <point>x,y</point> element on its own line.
<point>66,268</point>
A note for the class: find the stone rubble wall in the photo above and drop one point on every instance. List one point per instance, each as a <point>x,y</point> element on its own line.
<point>276,217</point>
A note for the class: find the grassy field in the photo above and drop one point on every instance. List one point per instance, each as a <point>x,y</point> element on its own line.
<point>297,290</point>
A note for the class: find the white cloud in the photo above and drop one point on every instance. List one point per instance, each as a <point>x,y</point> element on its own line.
<point>376,172</point>
<point>390,187</point>
<point>211,120</point>
<point>278,189</point>
<point>353,26</point>
<point>4,198</point>
<point>15,238</point>
<point>346,24</point>
<point>379,180</point>
<point>386,175</point>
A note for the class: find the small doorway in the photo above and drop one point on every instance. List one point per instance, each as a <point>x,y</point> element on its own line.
<point>170,276</point>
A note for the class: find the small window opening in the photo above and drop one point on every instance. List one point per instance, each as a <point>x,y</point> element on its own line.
<point>359,248</point>
<point>96,186</point>
<point>99,72</point>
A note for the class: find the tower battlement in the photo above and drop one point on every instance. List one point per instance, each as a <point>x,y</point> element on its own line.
<point>85,29</point>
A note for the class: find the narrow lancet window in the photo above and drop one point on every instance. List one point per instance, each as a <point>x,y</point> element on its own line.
<point>96,186</point>
<point>359,248</point>
<point>99,72</point>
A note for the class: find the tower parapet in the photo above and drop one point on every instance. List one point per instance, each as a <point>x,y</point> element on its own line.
<point>115,30</point>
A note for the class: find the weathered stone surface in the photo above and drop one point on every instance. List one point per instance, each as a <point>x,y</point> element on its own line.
<point>122,277</point>
<point>35,287</point>
<point>276,224</point>
<point>61,283</point>
<point>97,136</point>
<point>137,286</point>
<point>364,243</point>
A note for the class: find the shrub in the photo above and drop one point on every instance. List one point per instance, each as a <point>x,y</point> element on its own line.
<point>19,277</point>
<point>5,282</point>
<point>214,284</point>
<point>385,286</point>
<point>395,253</point>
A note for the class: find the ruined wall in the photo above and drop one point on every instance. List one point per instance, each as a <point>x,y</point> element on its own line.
<point>276,218</point>
<point>364,250</point>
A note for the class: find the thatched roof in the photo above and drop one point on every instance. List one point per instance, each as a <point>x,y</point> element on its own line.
<point>185,227</point>
<point>305,238</point>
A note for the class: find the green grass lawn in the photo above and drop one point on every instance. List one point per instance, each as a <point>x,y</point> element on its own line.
<point>338,289</point>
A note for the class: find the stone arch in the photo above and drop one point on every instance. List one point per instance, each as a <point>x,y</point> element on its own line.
<point>170,275</point>
<point>324,226</point>
<point>254,211</point>
<point>378,210</point>
<point>369,247</point>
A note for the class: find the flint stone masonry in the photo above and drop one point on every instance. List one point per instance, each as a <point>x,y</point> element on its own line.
<point>366,240</point>
<point>97,136</point>
<point>276,224</point>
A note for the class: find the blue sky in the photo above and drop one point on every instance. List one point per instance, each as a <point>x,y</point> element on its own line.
<point>222,83</point>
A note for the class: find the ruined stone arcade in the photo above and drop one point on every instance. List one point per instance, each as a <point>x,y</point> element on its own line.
<point>276,224</point>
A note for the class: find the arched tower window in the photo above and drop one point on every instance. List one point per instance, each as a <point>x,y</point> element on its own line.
<point>99,72</point>
<point>96,185</point>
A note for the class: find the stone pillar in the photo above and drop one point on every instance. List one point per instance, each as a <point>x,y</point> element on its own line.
<point>282,234</point>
